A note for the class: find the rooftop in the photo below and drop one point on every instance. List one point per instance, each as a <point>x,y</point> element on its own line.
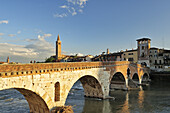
<point>143,39</point>
<point>154,48</point>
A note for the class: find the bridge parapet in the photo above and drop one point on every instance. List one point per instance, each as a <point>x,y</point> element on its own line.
<point>41,68</point>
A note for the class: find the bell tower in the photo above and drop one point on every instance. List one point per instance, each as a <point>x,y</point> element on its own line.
<point>58,48</point>
<point>8,59</point>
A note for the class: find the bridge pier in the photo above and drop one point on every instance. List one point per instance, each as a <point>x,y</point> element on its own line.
<point>140,81</point>
<point>127,81</point>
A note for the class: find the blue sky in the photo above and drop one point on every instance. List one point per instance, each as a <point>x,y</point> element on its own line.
<point>28,28</point>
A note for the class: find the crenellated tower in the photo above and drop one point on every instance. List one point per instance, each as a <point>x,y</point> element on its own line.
<point>144,45</point>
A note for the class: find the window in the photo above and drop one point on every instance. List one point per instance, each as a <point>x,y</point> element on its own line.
<point>142,55</point>
<point>155,61</point>
<point>150,61</point>
<point>130,54</point>
<point>143,47</point>
<point>160,62</point>
<point>130,59</point>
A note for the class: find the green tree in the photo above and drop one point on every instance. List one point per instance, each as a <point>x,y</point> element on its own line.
<point>51,59</point>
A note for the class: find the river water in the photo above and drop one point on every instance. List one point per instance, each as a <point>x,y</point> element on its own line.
<point>154,98</point>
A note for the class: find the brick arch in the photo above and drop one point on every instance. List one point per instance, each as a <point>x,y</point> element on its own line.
<point>145,76</point>
<point>117,82</point>
<point>91,85</point>
<point>135,77</point>
<point>118,71</point>
<point>35,101</point>
<point>38,92</point>
<point>116,74</point>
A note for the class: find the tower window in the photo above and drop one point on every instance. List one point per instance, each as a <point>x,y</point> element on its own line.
<point>150,61</point>
<point>143,47</point>
<point>142,55</point>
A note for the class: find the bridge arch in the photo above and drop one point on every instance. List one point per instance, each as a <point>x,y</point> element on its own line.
<point>36,102</point>
<point>135,77</point>
<point>91,85</point>
<point>118,81</point>
<point>37,98</point>
<point>145,78</point>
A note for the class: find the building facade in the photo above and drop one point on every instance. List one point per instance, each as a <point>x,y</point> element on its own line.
<point>159,59</point>
<point>130,55</point>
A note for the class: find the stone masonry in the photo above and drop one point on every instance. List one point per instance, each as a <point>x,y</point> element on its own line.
<point>46,86</point>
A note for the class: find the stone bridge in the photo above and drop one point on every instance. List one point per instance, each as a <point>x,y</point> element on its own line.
<point>46,85</point>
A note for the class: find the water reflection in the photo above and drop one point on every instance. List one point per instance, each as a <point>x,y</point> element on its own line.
<point>96,106</point>
<point>125,107</point>
<point>126,102</point>
<point>149,99</point>
<point>107,106</point>
<point>141,98</point>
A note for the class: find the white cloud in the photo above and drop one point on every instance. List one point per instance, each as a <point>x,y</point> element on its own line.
<point>4,22</point>
<point>47,35</point>
<point>11,35</point>
<point>80,10</point>
<point>1,34</point>
<point>78,54</point>
<point>15,50</point>
<point>64,6</point>
<point>60,15</point>
<point>38,49</point>
<point>82,2</point>
<point>72,7</point>
<point>18,32</point>
<point>42,47</point>
<point>73,11</point>
<point>31,40</point>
